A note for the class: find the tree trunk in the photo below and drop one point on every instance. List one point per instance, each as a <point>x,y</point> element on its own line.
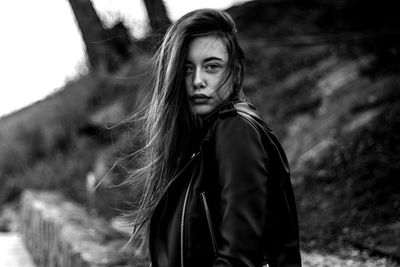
<point>106,48</point>
<point>158,17</point>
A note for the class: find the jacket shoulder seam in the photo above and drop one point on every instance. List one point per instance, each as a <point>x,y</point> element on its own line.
<point>243,117</point>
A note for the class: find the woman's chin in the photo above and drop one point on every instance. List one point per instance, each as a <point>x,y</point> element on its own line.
<point>202,110</point>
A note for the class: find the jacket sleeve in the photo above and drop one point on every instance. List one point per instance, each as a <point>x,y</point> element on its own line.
<point>242,171</point>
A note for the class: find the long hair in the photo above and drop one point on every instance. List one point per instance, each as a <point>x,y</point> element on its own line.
<point>168,121</point>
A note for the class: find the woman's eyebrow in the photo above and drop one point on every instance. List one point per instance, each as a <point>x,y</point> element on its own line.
<point>212,58</point>
<point>188,61</point>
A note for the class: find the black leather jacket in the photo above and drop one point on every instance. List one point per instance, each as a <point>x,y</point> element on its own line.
<point>232,204</point>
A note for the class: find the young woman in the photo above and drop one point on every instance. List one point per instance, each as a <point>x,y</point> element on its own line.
<point>217,189</point>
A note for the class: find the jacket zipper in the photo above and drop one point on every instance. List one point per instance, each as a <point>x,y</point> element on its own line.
<point>183,221</point>
<point>170,183</point>
<point>209,222</point>
<point>179,173</point>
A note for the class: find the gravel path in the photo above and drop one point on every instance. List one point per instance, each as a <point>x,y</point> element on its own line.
<point>12,249</point>
<point>349,258</point>
<point>13,252</point>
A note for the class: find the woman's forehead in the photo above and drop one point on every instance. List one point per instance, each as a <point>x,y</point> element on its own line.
<point>205,47</point>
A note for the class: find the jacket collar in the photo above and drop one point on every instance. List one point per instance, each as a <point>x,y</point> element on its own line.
<point>223,107</point>
<point>208,120</point>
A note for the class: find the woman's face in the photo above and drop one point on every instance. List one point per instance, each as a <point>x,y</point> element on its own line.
<point>205,72</point>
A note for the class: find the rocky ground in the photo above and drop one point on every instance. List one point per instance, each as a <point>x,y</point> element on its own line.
<point>13,253</point>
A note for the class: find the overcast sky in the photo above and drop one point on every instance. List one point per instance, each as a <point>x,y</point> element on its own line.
<point>41,46</point>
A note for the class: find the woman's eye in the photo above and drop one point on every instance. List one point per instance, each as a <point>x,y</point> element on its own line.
<point>212,67</point>
<point>188,68</point>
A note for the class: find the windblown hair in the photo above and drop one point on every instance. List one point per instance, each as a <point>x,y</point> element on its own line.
<point>169,124</point>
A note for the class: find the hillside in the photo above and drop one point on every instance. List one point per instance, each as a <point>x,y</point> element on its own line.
<point>324,76</point>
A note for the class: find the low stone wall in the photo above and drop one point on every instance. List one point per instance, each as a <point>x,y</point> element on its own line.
<point>60,233</point>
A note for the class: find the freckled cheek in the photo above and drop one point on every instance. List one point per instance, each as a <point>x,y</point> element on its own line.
<point>188,84</point>
<point>225,90</point>
<point>218,81</point>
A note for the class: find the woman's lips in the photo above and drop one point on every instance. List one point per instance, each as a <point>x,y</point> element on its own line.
<point>199,98</point>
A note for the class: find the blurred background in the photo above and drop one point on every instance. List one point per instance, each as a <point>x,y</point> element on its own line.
<point>324,74</point>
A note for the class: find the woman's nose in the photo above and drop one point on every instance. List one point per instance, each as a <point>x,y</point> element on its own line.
<point>198,79</point>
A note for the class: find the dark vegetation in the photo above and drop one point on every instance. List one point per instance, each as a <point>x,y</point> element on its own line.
<point>355,186</point>
<point>324,75</point>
